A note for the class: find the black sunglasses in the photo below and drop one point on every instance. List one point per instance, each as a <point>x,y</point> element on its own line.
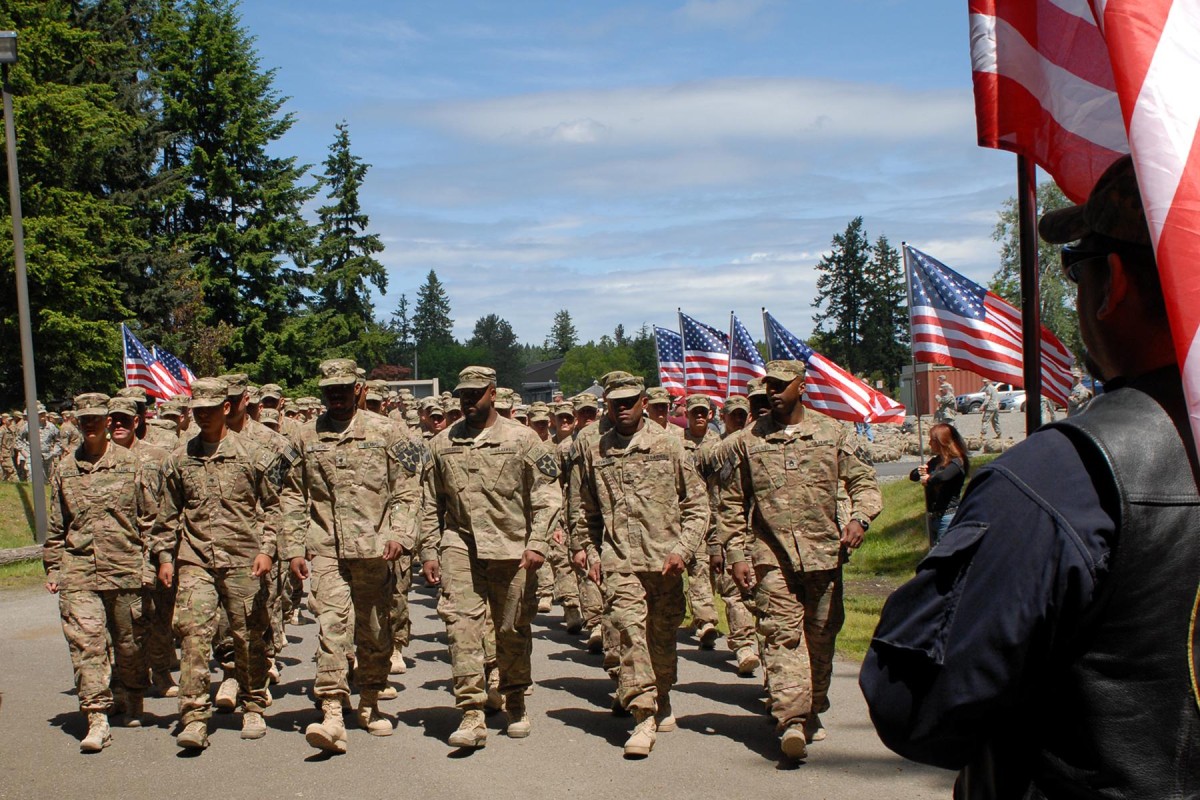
<point>1073,257</point>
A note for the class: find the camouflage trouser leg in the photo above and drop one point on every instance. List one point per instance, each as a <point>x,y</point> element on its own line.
<point>545,582</point>
<point>244,599</point>
<point>89,619</point>
<point>401,622</point>
<point>471,588</point>
<point>992,417</point>
<point>646,609</point>
<point>796,609</point>
<point>737,614</point>
<point>700,589</point>
<point>293,591</point>
<point>352,599</point>
<point>566,586</point>
<point>591,600</point>
<point>276,637</point>
<point>158,603</point>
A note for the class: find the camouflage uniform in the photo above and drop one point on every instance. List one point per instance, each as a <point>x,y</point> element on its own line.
<point>779,512</point>
<point>51,442</point>
<point>218,512</point>
<point>360,490</point>
<point>990,411</point>
<point>641,500</point>
<point>488,496</point>
<point>945,402</point>
<point>94,552</point>
<point>8,442</point>
<point>700,577</point>
<point>717,469</point>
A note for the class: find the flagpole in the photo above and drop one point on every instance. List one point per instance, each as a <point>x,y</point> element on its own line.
<point>1031,323</point>
<point>729,370</point>
<point>767,335</point>
<point>912,351</point>
<point>658,358</point>
<point>682,349</point>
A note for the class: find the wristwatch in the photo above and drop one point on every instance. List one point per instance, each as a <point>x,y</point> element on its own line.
<point>866,523</point>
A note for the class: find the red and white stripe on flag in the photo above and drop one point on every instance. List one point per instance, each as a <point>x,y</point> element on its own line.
<point>1154,49</point>
<point>1044,88</point>
<point>832,390</point>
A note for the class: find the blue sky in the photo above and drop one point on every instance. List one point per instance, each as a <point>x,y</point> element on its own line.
<point>620,160</point>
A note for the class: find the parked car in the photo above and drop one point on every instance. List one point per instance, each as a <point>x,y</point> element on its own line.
<point>970,403</point>
<point>1014,403</point>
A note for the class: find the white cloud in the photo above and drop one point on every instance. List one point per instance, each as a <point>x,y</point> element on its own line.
<point>720,13</point>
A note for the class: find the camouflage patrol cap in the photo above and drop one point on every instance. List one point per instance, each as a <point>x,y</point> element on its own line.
<point>505,398</point>
<point>564,410</point>
<point>450,404</point>
<point>271,391</point>
<point>41,409</point>
<point>521,412</point>
<point>619,384</point>
<point>585,400</point>
<point>658,395</point>
<point>374,396</point>
<point>755,387</point>
<point>406,394</point>
<point>737,402</point>
<point>435,409</point>
<point>18,414</point>
<point>238,382</point>
<point>699,401</point>
<point>429,403</point>
<point>412,418</point>
<point>338,372</point>
<point>91,404</point>
<point>269,417</point>
<point>539,412</point>
<point>787,371</point>
<point>612,376</point>
<point>170,410</point>
<point>446,395</point>
<point>475,378</point>
<point>209,393</point>
<point>253,395</point>
<point>1113,209</point>
<point>122,405</point>
<point>136,392</point>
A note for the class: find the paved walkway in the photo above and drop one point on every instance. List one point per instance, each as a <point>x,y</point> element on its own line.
<point>724,747</point>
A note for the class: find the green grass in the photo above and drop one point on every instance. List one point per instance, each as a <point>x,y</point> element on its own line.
<point>16,515</point>
<point>21,575</point>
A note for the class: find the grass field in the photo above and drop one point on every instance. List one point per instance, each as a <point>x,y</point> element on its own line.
<point>16,515</point>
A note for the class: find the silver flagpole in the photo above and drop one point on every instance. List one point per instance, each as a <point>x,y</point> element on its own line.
<point>912,351</point>
<point>682,349</point>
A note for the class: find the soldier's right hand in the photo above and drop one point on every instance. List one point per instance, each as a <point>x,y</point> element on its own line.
<point>743,575</point>
<point>166,574</point>
<point>52,587</point>
<point>299,567</point>
<point>716,563</point>
<point>432,570</point>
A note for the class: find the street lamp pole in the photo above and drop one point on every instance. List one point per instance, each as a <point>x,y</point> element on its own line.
<point>8,57</point>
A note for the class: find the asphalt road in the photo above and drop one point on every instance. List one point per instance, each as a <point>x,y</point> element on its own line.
<point>724,747</point>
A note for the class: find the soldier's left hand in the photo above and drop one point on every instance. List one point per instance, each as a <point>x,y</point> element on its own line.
<point>673,565</point>
<point>261,566</point>
<point>852,535</point>
<point>532,560</point>
<point>392,551</point>
<point>559,538</point>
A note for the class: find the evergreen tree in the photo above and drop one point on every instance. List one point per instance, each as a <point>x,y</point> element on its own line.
<point>431,320</point>
<point>344,257</point>
<point>1057,304</point>
<point>562,333</point>
<point>236,212</point>
<point>402,334</point>
<point>645,354</point>
<point>619,335</point>
<point>843,292</point>
<point>885,324</point>
<point>495,337</point>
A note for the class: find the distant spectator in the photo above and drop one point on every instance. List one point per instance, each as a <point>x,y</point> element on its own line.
<point>942,478</point>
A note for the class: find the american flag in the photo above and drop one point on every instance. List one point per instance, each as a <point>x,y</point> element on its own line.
<point>705,358</point>
<point>958,323</point>
<point>745,363</point>
<point>1072,85</point>
<point>142,369</point>
<point>669,346</point>
<point>180,371</point>
<point>827,387</point>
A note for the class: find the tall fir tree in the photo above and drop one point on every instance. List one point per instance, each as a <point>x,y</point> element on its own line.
<point>885,323</point>
<point>563,335</point>
<point>401,329</point>
<point>495,337</point>
<point>842,294</point>
<point>432,324</point>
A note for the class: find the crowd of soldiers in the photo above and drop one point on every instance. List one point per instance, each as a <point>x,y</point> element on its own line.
<point>198,528</point>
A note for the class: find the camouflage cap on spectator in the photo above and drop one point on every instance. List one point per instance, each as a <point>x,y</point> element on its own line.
<point>1113,209</point>
<point>41,409</point>
<point>699,401</point>
<point>123,405</point>
<point>338,372</point>
<point>622,384</point>
<point>539,412</point>
<point>238,382</point>
<point>271,391</point>
<point>784,370</point>
<point>585,400</point>
<point>19,414</point>
<point>91,404</point>
<point>209,393</point>
<point>505,398</point>
<point>657,395</point>
<point>737,402</point>
<point>475,378</point>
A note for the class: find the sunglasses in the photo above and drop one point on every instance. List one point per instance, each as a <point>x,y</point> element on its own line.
<point>1073,257</point>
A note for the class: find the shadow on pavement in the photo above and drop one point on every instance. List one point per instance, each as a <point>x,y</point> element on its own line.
<point>595,691</point>
<point>437,722</point>
<point>755,737</point>
<point>601,724</point>
<point>747,695</point>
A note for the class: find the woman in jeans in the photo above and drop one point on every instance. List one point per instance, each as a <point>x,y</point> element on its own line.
<point>942,478</point>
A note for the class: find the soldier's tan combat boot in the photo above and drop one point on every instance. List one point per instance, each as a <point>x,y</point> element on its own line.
<point>644,735</point>
<point>369,718</point>
<point>134,706</point>
<point>164,684</point>
<point>519,724</point>
<point>495,700</point>
<point>398,666</point>
<point>544,605</point>
<point>664,719</point>
<point>573,620</point>
<point>389,692</point>
<point>227,694</point>
<point>747,661</point>
<point>814,731</point>
<point>472,731</point>
<point>708,635</point>
<point>253,725</point>
<point>792,743</point>
<point>98,736</point>
<point>595,643</point>
<point>194,736</point>
<point>330,733</point>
